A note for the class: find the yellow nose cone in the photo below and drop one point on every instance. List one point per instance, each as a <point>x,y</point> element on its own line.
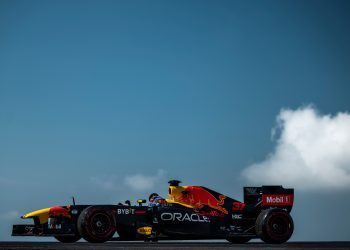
<point>42,214</point>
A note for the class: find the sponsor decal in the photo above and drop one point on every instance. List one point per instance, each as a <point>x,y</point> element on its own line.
<point>238,206</point>
<point>199,197</point>
<point>237,216</point>
<point>125,211</point>
<point>212,213</point>
<point>183,217</point>
<point>74,211</point>
<point>140,212</point>
<point>52,223</point>
<point>54,226</point>
<point>231,229</point>
<point>236,229</point>
<point>277,199</point>
<point>29,229</point>
<point>144,230</point>
<point>251,190</point>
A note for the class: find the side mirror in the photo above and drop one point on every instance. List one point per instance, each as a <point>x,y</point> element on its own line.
<point>140,202</point>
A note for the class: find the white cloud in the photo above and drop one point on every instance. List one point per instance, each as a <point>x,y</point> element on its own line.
<point>6,181</point>
<point>312,152</point>
<point>10,215</point>
<point>105,182</point>
<point>140,182</point>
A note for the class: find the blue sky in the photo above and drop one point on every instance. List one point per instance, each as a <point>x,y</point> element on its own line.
<point>95,92</point>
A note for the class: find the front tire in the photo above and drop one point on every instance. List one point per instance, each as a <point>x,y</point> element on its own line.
<point>68,239</point>
<point>274,226</point>
<point>96,224</point>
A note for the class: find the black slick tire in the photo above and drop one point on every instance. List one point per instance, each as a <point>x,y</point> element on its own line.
<point>274,226</point>
<point>96,224</point>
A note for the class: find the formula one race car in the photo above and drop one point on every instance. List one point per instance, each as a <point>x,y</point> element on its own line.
<point>189,212</point>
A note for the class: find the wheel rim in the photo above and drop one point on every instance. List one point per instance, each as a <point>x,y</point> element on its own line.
<point>100,224</point>
<point>279,225</point>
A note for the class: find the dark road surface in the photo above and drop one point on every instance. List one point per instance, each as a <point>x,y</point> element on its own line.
<point>172,245</point>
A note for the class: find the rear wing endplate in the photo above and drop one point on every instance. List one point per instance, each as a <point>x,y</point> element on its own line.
<point>269,196</point>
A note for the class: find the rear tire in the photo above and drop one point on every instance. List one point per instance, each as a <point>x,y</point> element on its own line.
<point>274,226</point>
<point>96,224</point>
<point>239,240</point>
<point>68,239</point>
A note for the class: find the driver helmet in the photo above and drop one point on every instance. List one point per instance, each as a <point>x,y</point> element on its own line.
<point>153,197</point>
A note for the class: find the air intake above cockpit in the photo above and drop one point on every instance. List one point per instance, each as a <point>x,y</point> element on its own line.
<point>174,183</point>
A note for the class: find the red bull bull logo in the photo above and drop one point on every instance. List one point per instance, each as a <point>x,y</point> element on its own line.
<point>199,197</point>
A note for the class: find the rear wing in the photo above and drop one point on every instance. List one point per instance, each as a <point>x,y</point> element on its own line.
<point>269,196</point>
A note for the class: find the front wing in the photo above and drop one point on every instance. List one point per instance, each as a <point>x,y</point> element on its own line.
<point>43,230</point>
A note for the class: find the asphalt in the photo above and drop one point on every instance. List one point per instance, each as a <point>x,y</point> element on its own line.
<point>172,245</point>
